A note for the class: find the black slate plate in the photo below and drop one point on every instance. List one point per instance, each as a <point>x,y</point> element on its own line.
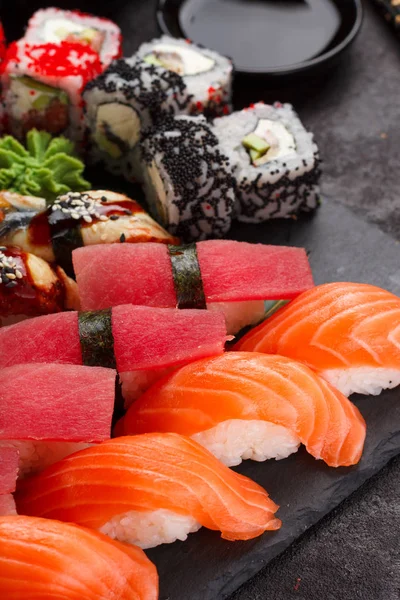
<point>341,247</point>
<point>267,39</point>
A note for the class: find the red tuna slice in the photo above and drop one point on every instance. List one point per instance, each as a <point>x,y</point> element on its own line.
<point>150,338</point>
<point>112,274</point>
<point>56,402</point>
<point>50,338</point>
<point>7,505</point>
<point>144,338</point>
<point>8,469</point>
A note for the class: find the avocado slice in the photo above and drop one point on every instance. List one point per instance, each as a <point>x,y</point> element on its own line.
<point>254,142</point>
<point>88,34</point>
<point>107,146</point>
<point>117,128</point>
<point>153,60</point>
<point>254,155</point>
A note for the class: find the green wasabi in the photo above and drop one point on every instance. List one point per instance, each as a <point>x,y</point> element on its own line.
<point>46,168</point>
<point>187,277</point>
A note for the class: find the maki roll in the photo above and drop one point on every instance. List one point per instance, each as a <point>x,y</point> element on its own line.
<point>277,165</point>
<point>207,74</point>
<point>78,219</point>
<point>119,104</point>
<point>188,178</point>
<point>42,86</point>
<point>29,286</point>
<point>55,25</point>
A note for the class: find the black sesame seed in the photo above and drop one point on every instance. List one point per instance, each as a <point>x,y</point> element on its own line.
<point>122,238</point>
<point>114,217</point>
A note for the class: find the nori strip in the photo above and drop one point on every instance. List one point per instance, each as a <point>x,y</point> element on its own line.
<point>186,273</point>
<point>96,338</point>
<point>65,237</point>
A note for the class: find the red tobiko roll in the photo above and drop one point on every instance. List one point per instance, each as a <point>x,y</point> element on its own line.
<point>57,25</point>
<point>3,43</point>
<point>42,86</point>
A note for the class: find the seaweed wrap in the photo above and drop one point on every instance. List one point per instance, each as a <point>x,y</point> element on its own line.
<point>277,165</point>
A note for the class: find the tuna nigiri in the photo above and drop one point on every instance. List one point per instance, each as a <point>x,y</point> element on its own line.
<point>148,490</point>
<point>248,405</point>
<point>141,341</point>
<point>234,277</point>
<point>48,411</point>
<point>42,559</point>
<point>349,333</point>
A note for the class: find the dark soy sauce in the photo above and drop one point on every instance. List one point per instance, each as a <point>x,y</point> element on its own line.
<point>262,34</point>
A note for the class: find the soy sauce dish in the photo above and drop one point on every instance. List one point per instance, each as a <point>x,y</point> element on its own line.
<point>267,39</point>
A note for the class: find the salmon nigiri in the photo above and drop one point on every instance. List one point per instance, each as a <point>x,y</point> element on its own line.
<point>148,490</point>
<point>42,559</point>
<point>250,405</point>
<point>349,333</point>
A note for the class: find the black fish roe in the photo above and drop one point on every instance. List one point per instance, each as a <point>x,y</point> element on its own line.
<point>286,197</point>
<point>188,155</point>
<point>9,272</point>
<point>144,86</point>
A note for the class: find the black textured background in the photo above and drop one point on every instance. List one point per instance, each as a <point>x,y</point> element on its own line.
<point>354,553</point>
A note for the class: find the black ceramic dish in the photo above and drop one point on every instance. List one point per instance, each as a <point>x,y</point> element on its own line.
<point>268,40</point>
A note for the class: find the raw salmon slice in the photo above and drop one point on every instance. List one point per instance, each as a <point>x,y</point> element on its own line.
<point>42,559</point>
<point>252,405</point>
<point>149,489</point>
<point>349,333</point>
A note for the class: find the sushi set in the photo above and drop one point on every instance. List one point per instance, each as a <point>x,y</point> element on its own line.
<point>169,397</point>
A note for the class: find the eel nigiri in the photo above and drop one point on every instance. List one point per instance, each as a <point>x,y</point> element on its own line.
<point>79,219</point>
<point>234,277</point>
<point>29,286</point>
<point>148,490</point>
<point>42,559</point>
<point>249,405</point>
<point>49,410</point>
<point>349,333</point>
<point>141,341</point>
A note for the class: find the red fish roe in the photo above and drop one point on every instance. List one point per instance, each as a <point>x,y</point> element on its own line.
<point>3,45</point>
<point>67,59</point>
